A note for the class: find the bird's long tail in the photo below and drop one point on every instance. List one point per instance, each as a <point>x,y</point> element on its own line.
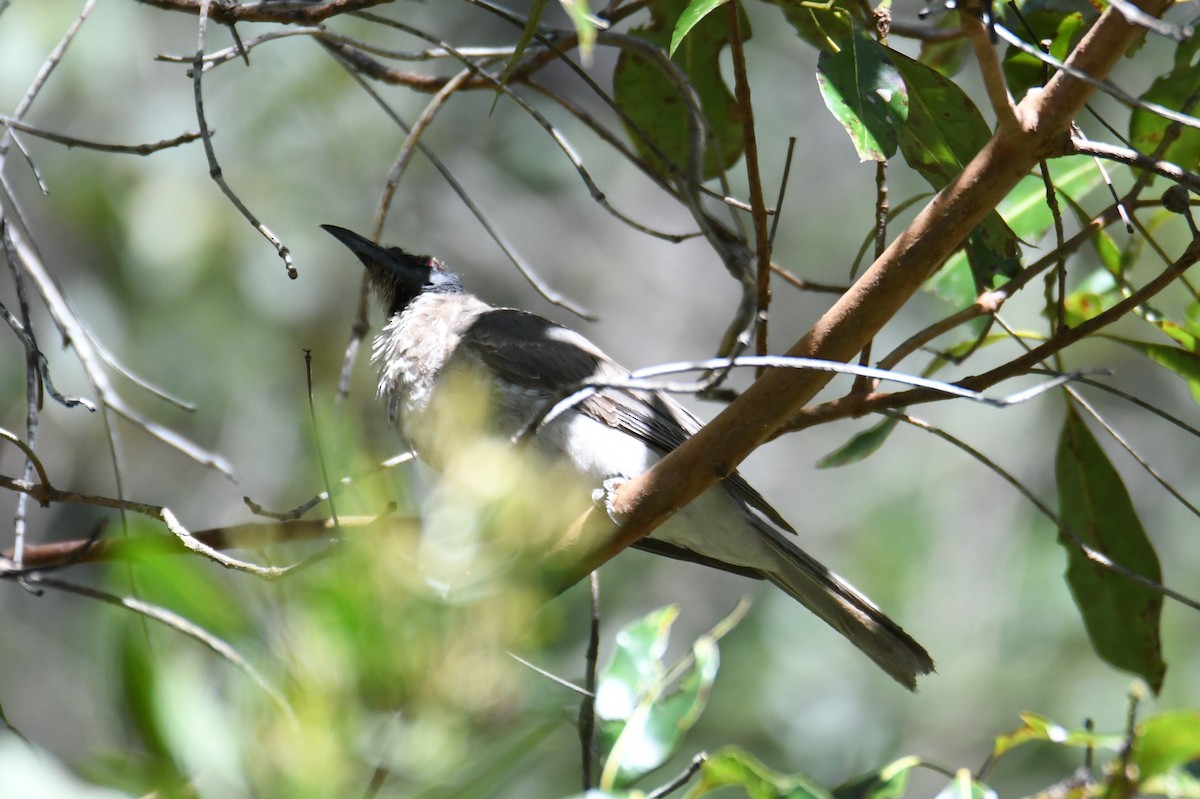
<point>848,611</point>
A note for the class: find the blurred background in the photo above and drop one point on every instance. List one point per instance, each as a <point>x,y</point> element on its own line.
<point>183,292</point>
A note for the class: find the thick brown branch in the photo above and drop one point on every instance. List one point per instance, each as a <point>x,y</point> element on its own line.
<point>1043,121</point>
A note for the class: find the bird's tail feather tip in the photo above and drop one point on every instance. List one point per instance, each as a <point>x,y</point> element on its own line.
<point>853,615</point>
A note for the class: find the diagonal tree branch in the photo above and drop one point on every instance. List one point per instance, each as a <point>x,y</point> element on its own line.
<point>1042,131</point>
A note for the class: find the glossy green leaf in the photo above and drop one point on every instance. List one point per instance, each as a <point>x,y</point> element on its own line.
<point>636,664</point>
<point>865,93</point>
<point>1165,742</point>
<point>1173,90</point>
<point>644,708</point>
<point>888,782</point>
<point>1035,727</point>
<point>691,16</point>
<point>732,766</point>
<point>1122,616</point>
<point>860,447</point>
<point>655,730</point>
<point>943,132</point>
<point>654,105</point>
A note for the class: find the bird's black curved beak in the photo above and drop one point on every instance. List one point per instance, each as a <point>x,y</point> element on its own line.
<point>367,251</point>
<point>396,276</point>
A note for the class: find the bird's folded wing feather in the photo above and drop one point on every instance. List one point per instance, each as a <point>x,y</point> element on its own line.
<point>536,353</point>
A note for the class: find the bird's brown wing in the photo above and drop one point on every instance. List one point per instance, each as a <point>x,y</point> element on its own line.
<point>536,353</point>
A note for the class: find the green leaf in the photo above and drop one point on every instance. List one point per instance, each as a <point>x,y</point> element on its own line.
<point>1025,209</point>
<point>644,708</point>
<point>1173,90</point>
<point>653,733</point>
<point>139,675</point>
<point>953,281</point>
<point>1183,362</point>
<point>1122,617</point>
<point>943,132</point>
<point>963,787</point>
<point>732,766</point>
<point>888,782</point>
<point>655,107</point>
<point>860,447</point>
<point>636,663</point>
<point>1166,742</point>
<point>531,25</point>
<point>864,91</point>
<point>190,586</point>
<point>1095,294</point>
<point>1039,728</point>
<point>691,16</point>
<point>817,24</point>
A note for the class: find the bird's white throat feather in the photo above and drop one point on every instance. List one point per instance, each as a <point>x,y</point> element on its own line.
<point>415,345</point>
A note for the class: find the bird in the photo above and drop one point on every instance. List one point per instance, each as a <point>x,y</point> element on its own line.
<point>527,363</point>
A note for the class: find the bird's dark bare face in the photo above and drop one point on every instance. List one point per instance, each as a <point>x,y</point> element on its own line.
<point>397,277</point>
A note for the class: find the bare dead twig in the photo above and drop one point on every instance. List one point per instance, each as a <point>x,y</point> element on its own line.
<point>74,141</point>
<point>1137,160</point>
<point>286,13</point>
<point>758,204</point>
<point>587,706</point>
<point>45,493</point>
<point>249,536</point>
<point>214,168</point>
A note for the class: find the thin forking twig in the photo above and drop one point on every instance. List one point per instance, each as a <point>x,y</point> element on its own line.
<point>214,168</point>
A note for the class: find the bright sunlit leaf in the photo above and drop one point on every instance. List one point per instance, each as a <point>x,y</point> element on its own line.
<point>888,782</point>
<point>964,787</point>
<point>733,766</point>
<point>865,93</point>
<point>691,16</point>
